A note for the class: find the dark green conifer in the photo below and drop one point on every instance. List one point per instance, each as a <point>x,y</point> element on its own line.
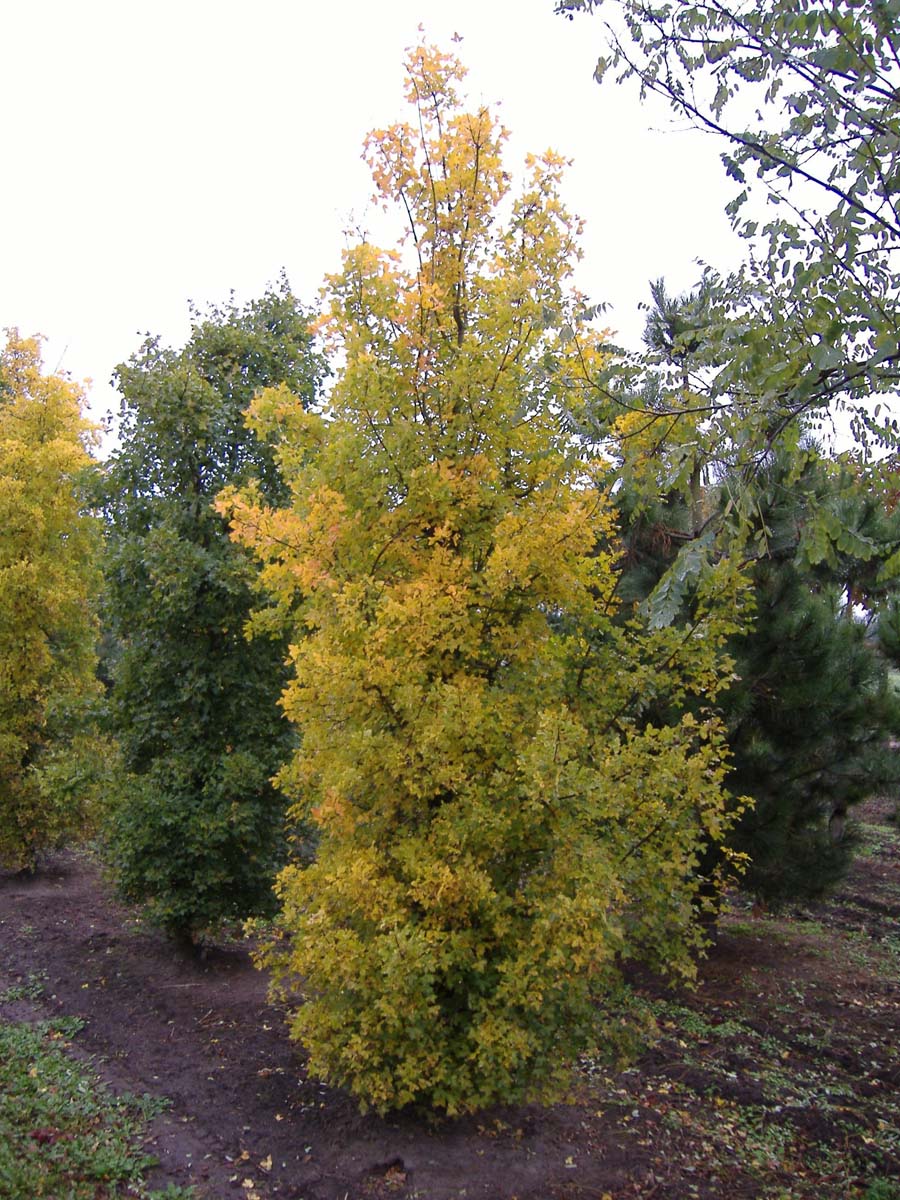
<point>812,713</point>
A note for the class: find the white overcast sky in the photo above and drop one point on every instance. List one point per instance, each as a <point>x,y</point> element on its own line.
<point>175,150</point>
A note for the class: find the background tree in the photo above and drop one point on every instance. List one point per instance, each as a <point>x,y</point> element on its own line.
<point>48,582</point>
<point>810,713</point>
<point>497,830</point>
<point>197,832</point>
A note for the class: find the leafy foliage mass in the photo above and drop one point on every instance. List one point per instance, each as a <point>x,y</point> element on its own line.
<point>48,575</point>
<point>498,829</point>
<point>805,98</point>
<point>197,830</point>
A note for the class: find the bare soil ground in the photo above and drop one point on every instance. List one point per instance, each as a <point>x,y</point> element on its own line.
<point>779,1076</point>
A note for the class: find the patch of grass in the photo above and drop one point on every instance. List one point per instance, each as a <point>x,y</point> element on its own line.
<point>882,1189</point>
<point>30,988</point>
<point>783,1083</point>
<point>63,1134</point>
<point>877,839</point>
<point>878,955</point>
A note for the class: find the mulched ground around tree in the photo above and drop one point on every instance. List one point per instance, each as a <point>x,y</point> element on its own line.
<point>778,1077</point>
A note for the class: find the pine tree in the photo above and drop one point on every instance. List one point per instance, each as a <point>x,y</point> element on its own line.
<point>810,712</point>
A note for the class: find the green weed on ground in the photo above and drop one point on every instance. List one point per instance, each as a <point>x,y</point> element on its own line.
<point>25,989</point>
<point>63,1134</point>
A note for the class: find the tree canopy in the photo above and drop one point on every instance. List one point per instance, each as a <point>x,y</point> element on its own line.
<point>197,831</point>
<point>804,98</point>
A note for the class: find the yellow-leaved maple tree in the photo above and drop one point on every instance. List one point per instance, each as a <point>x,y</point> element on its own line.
<point>48,632</point>
<point>498,828</point>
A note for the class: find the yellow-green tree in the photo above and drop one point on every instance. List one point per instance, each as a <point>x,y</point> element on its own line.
<point>498,829</point>
<point>47,627</point>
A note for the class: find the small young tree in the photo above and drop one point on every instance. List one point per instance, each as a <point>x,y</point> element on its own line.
<point>48,581</point>
<point>197,831</point>
<point>496,832</point>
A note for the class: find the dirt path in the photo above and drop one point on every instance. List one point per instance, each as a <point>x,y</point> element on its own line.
<point>779,1072</point>
<point>203,1035</point>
